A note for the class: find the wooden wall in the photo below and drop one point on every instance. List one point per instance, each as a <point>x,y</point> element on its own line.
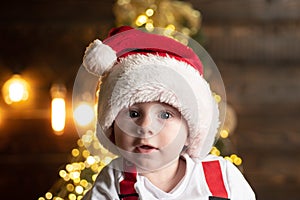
<point>255,43</point>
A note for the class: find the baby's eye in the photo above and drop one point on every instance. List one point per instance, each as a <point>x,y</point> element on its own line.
<point>165,115</point>
<point>133,114</point>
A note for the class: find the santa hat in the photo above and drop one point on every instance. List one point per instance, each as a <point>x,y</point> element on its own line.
<point>136,67</point>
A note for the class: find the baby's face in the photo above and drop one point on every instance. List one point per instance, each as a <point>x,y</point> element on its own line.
<point>151,130</point>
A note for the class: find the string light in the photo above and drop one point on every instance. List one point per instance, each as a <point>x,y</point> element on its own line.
<point>58,108</point>
<point>48,195</point>
<point>16,89</point>
<point>141,20</point>
<point>224,133</point>
<point>234,159</point>
<point>83,163</point>
<point>157,13</point>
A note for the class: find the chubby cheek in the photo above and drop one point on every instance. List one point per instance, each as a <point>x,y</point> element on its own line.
<point>121,139</point>
<point>173,135</point>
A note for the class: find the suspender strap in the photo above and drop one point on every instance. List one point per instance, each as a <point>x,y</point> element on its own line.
<point>214,179</point>
<point>127,191</point>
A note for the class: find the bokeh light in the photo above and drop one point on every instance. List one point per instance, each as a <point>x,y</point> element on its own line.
<point>58,108</point>
<point>58,115</point>
<point>16,89</point>
<point>84,114</point>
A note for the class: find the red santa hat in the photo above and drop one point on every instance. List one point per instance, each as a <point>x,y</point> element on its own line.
<point>136,67</point>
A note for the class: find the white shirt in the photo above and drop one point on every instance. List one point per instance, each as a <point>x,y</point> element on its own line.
<point>192,186</point>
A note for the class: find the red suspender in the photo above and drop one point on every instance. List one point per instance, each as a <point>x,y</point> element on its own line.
<point>212,172</point>
<point>214,178</point>
<point>127,191</point>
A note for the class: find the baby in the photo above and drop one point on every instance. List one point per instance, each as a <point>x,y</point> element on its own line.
<point>157,113</point>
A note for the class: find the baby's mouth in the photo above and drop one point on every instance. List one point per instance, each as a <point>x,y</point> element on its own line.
<point>145,149</point>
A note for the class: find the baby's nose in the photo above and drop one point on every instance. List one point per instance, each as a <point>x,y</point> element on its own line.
<point>144,124</point>
<point>149,125</point>
<point>145,120</point>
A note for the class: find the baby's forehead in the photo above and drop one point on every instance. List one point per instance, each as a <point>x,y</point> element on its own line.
<point>154,104</point>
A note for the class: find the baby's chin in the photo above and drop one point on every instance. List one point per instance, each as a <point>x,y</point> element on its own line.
<point>152,161</point>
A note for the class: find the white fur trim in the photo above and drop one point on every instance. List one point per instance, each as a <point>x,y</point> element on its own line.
<point>99,58</point>
<point>144,78</point>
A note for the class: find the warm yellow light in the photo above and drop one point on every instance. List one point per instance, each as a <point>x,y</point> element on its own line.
<point>215,151</point>
<point>58,108</point>
<point>237,161</point>
<point>75,152</point>
<point>58,115</point>
<point>69,167</point>
<point>84,183</point>
<point>171,27</point>
<point>86,153</point>
<point>48,195</point>
<point>62,173</point>
<point>70,187</point>
<point>149,27</point>
<point>75,175</point>
<point>218,98</point>
<point>142,19</point>
<point>72,196</point>
<point>224,133</point>
<point>84,114</point>
<point>15,90</point>
<point>79,189</point>
<point>149,12</point>
<point>90,160</point>
<point>94,176</point>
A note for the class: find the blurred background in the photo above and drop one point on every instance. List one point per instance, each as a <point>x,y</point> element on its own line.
<point>255,44</point>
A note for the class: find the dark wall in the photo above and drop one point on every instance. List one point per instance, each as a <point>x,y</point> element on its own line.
<point>255,43</point>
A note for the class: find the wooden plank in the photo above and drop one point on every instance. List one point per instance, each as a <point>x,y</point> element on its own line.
<point>270,148</point>
<point>277,141</point>
<point>55,50</point>
<point>262,89</point>
<point>279,168</point>
<point>254,44</point>
<point>63,11</point>
<point>235,11</point>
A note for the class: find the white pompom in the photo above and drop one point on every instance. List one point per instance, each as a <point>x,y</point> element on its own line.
<point>99,58</point>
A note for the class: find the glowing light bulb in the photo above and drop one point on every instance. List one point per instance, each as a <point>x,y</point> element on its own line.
<point>16,89</point>
<point>149,12</point>
<point>84,114</point>
<point>142,19</point>
<point>90,160</point>
<point>79,189</point>
<point>48,195</point>
<point>224,133</point>
<point>58,115</point>
<point>58,108</point>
